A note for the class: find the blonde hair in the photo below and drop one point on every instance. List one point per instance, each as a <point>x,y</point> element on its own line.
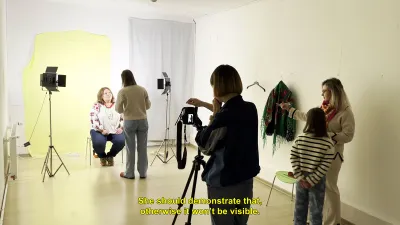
<point>338,95</point>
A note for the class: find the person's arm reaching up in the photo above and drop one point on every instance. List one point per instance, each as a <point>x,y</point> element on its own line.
<point>207,105</point>
<point>297,115</point>
<point>198,103</point>
<point>293,113</point>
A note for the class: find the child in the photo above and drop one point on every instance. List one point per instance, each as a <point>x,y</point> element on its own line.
<point>311,157</point>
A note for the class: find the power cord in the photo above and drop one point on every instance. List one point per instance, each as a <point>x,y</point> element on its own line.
<point>29,142</point>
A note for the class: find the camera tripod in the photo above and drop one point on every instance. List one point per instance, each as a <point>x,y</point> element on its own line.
<point>166,142</point>
<point>49,156</point>
<point>197,162</point>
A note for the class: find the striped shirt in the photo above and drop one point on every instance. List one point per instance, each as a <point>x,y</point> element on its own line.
<point>312,155</point>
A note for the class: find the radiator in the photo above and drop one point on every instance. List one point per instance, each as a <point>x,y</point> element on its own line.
<point>10,152</point>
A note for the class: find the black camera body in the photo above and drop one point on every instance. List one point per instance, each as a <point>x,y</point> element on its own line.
<point>188,116</point>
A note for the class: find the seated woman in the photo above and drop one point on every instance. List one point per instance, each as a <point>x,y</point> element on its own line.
<point>107,125</point>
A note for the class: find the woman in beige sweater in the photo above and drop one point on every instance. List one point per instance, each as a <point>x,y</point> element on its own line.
<point>341,127</point>
<point>133,102</point>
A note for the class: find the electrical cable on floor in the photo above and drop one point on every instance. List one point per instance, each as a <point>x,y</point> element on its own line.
<point>37,120</point>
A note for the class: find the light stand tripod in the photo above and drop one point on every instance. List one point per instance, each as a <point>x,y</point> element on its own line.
<point>49,156</point>
<point>166,141</point>
<point>198,160</point>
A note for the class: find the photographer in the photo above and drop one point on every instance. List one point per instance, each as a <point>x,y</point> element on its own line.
<point>231,139</point>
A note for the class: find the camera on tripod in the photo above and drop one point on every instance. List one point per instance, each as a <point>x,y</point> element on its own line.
<point>188,116</point>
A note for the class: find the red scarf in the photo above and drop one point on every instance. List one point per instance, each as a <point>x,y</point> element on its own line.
<point>329,110</point>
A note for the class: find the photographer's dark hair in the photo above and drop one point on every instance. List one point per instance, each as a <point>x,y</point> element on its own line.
<point>127,78</point>
<point>316,123</point>
<point>226,80</point>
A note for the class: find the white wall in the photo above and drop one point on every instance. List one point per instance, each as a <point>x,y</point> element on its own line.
<point>3,89</point>
<point>26,19</point>
<point>303,43</point>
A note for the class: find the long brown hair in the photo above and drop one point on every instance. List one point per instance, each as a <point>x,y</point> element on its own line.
<point>127,78</point>
<point>101,93</point>
<point>316,123</point>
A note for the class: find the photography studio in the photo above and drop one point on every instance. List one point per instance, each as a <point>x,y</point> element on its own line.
<point>186,112</point>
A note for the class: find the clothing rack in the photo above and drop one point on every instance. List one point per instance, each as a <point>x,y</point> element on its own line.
<point>256,83</point>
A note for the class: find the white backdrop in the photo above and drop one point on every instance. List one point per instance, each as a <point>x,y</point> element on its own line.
<point>158,46</point>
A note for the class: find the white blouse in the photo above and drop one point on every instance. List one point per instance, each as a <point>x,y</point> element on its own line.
<point>107,118</point>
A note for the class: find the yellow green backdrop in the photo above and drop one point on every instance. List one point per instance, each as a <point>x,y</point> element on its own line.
<point>85,59</point>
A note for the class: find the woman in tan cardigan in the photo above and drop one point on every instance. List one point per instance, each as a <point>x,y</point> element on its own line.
<point>341,126</point>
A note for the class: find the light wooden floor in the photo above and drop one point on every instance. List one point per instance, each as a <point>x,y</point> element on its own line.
<point>98,196</point>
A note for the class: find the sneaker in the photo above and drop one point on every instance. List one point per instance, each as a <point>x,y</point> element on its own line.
<point>110,161</point>
<point>103,161</point>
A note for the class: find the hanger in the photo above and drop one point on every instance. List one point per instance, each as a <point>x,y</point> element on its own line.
<point>256,83</point>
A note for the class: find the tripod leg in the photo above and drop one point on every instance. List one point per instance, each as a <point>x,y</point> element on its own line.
<point>62,163</point>
<point>197,168</point>
<point>44,174</point>
<point>156,155</point>
<point>45,168</point>
<point>185,190</point>
<point>172,155</point>
<point>45,161</point>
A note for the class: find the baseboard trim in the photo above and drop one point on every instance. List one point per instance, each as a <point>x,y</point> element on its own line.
<point>357,216</point>
<point>276,188</point>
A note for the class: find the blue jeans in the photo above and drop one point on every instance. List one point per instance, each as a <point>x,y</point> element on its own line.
<point>312,199</point>
<point>99,143</point>
<point>136,129</point>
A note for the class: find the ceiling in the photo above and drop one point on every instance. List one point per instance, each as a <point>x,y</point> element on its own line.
<point>183,9</point>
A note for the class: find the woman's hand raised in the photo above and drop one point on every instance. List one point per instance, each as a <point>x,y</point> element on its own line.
<point>198,103</point>
<point>195,102</point>
<point>284,106</point>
